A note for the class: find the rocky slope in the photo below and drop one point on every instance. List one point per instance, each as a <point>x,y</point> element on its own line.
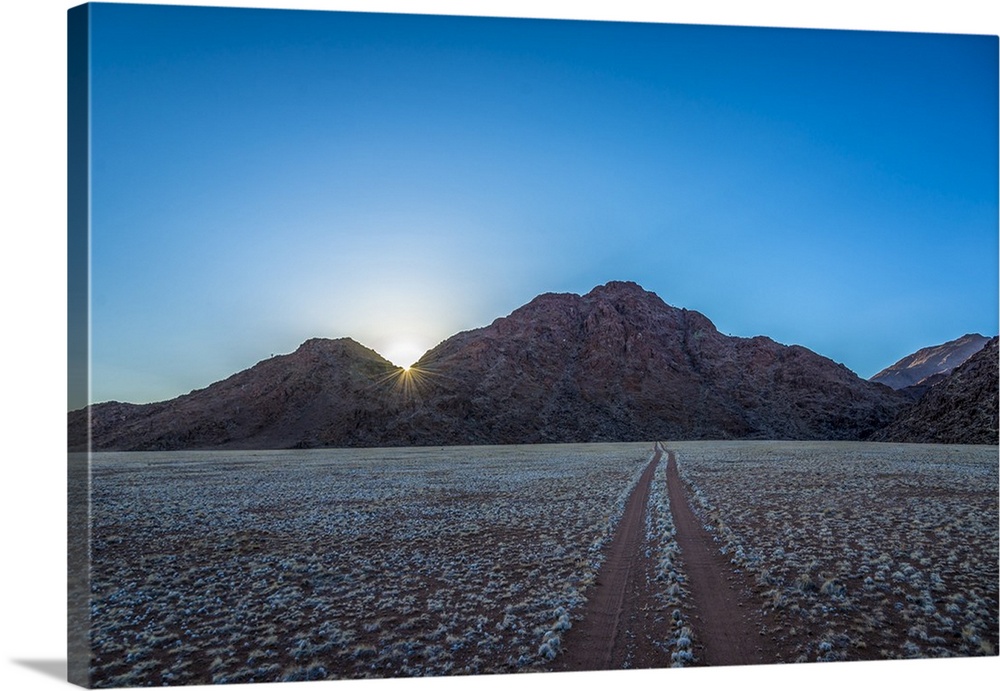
<point>960,409</point>
<point>617,364</point>
<point>928,366</point>
<point>324,391</point>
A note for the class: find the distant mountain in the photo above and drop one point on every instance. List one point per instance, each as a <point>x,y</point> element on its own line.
<point>960,409</point>
<point>616,364</point>
<point>926,367</point>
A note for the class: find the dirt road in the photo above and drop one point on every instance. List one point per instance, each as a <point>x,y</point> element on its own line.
<point>621,621</point>
<point>622,624</point>
<point>726,627</point>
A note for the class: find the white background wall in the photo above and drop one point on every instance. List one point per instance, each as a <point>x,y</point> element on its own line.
<point>32,271</point>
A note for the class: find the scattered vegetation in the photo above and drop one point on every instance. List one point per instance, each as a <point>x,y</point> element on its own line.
<point>213,567</point>
<point>858,551</point>
<point>669,573</point>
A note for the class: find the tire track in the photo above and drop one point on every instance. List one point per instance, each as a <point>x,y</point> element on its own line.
<point>620,619</point>
<point>725,630</point>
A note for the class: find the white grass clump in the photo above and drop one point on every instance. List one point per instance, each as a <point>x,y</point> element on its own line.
<point>661,534</point>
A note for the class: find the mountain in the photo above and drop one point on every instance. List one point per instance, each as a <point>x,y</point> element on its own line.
<point>325,390</point>
<point>616,364</point>
<point>960,409</point>
<point>928,366</point>
<point>619,363</point>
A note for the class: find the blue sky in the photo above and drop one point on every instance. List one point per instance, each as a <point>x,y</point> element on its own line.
<point>263,177</point>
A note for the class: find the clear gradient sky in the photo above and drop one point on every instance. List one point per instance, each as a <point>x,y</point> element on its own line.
<point>260,177</point>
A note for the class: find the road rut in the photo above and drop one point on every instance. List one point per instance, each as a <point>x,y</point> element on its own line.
<point>722,619</point>
<point>624,626</point>
<point>621,620</point>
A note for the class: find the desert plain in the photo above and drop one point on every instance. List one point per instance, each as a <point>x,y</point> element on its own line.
<point>262,566</point>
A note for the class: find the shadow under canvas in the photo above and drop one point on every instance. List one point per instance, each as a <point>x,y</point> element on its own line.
<point>55,668</point>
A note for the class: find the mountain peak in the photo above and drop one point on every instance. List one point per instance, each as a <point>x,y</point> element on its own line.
<point>961,408</point>
<point>337,346</point>
<point>626,291</point>
<point>930,363</point>
<point>619,288</point>
<point>327,344</point>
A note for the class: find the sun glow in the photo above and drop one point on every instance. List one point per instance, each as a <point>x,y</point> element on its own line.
<point>407,384</point>
<point>403,354</point>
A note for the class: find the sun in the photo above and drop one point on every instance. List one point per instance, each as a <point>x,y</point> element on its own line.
<point>409,379</point>
<point>403,354</point>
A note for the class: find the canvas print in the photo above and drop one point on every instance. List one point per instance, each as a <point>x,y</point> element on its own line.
<point>413,345</point>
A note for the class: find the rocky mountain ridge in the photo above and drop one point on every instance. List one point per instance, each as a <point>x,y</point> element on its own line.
<point>962,408</point>
<point>616,364</point>
<point>919,371</point>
